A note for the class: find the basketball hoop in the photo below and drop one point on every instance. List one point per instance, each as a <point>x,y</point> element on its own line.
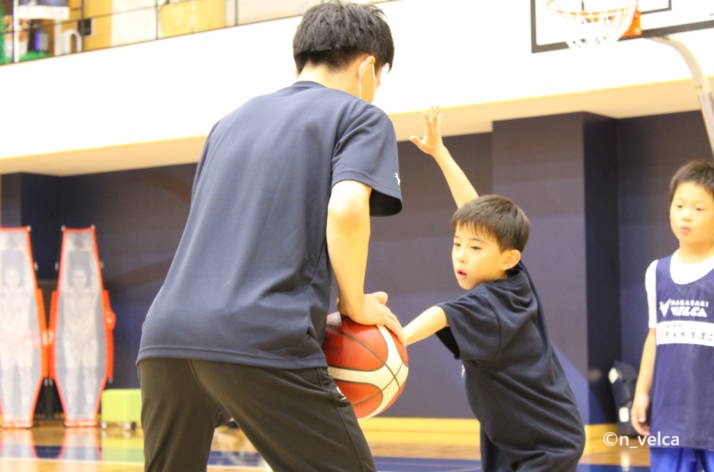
<point>595,22</point>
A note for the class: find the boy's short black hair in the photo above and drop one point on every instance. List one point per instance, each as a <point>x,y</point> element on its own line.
<point>699,172</point>
<point>499,217</point>
<point>334,33</point>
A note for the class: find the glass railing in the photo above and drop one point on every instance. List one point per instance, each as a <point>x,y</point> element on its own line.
<point>34,29</point>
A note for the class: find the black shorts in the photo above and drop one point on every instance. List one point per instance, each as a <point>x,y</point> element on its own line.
<point>296,419</point>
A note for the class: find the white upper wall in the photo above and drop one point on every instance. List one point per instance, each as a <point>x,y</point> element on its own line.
<point>454,53</point>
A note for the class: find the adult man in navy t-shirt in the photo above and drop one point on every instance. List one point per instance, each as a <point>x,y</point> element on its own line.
<point>281,202</point>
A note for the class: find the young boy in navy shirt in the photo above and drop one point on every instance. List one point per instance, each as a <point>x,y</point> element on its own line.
<point>676,381</point>
<point>515,384</point>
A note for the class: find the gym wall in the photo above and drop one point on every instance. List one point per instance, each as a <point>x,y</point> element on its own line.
<point>594,188</point>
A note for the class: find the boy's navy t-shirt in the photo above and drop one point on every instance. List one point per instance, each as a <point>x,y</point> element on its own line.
<point>250,280</point>
<point>515,385</point>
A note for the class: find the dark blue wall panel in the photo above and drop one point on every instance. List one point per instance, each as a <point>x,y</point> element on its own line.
<point>562,169</point>
<point>33,200</point>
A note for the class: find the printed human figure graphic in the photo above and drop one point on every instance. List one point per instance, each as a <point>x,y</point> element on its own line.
<point>80,330</point>
<point>20,334</point>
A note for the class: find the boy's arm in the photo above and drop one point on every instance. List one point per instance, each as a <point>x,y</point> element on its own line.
<point>348,232</point>
<point>641,402</point>
<point>427,323</point>
<point>431,143</point>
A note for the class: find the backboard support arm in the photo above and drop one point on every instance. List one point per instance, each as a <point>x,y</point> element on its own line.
<point>701,82</point>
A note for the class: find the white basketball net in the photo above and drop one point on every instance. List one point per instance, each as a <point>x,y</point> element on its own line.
<point>593,22</point>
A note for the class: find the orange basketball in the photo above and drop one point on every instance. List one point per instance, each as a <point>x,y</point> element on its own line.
<point>368,363</point>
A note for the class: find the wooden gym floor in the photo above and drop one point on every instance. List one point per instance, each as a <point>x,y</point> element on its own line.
<point>399,445</point>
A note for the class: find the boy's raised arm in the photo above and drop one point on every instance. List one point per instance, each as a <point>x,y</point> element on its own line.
<point>431,143</point>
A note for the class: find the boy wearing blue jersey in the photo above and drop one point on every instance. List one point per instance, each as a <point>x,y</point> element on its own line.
<point>515,384</point>
<point>281,203</point>
<point>674,397</point>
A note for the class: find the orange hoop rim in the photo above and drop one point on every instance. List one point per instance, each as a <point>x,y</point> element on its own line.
<point>617,19</point>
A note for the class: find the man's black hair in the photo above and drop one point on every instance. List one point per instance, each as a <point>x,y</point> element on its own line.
<point>334,34</point>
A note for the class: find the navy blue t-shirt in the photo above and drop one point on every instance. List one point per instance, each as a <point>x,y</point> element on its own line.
<point>250,280</point>
<point>515,384</point>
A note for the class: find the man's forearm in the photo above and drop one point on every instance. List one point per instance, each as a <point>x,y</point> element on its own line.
<point>348,232</point>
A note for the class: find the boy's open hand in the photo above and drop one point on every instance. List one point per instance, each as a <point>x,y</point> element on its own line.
<point>431,142</point>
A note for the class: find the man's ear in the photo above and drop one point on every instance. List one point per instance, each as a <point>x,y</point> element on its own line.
<point>367,78</point>
<point>511,257</point>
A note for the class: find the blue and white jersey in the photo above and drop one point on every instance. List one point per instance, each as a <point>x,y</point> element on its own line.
<point>681,299</point>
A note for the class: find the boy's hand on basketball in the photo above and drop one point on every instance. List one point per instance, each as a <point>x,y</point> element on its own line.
<point>431,143</point>
<point>638,414</point>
